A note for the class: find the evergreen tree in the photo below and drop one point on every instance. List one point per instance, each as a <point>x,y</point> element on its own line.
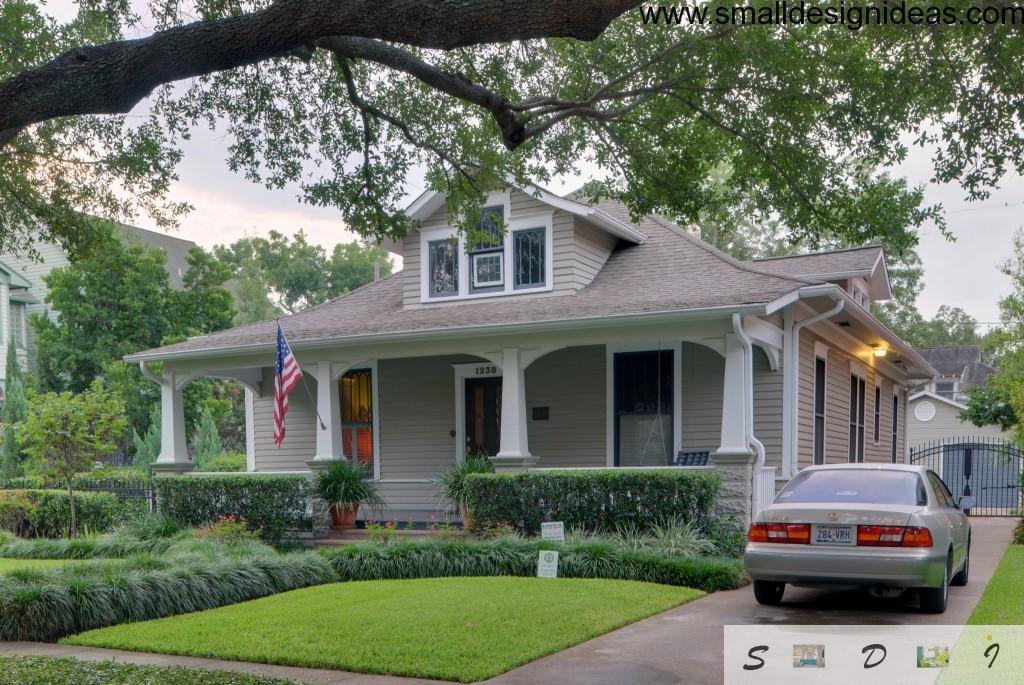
<point>207,441</point>
<point>15,406</point>
<point>147,447</point>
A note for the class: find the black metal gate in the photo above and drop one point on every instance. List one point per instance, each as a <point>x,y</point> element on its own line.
<point>987,469</point>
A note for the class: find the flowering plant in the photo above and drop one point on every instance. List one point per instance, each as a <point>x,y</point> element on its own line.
<point>228,530</point>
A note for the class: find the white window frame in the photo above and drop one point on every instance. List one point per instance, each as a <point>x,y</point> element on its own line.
<point>523,222</point>
<point>463,371</point>
<point>371,366</point>
<point>499,282</point>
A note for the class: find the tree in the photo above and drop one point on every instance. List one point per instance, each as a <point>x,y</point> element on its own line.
<point>67,433</point>
<point>207,440</point>
<point>15,406</point>
<point>147,446</point>
<point>281,274</point>
<point>203,304</point>
<point>348,100</point>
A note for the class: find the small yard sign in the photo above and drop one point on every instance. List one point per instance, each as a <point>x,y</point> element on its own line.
<point>547,564</point>
<point>552,530</point>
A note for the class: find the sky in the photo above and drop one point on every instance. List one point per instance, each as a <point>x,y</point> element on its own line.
<point>962,273</point>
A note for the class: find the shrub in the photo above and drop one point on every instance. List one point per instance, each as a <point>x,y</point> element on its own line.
<point>592,500</point>
<point>225,462</point>
<point>47,513</point>
<point>47,604</point>
<point>228,531</point>
<point>35,670</point>
<point>452,491</point>
<point>1018,533</point>
<point>518,557</point>
<point>274,503</point>
<point>728,534</point>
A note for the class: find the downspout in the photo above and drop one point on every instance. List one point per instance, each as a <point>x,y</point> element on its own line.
<point>791,379</point>
<point>748,397</point>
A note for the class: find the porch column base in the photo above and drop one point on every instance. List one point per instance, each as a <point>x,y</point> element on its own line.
<point>317,464</point>
<point>173,468</point>
<point>735,497</point>
<point>513,463</point>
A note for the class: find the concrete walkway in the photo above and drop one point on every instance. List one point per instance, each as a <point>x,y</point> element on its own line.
<point>679,646</point>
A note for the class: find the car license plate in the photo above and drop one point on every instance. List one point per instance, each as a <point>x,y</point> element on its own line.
<point>833,535</point>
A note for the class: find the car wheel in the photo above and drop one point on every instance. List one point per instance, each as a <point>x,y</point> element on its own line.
<point>960,579</point>
<point>768,592</point>
<point>934,599</point>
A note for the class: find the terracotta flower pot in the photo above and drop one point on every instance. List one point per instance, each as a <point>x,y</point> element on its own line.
<point>343,516</point>
<point>467,518</point>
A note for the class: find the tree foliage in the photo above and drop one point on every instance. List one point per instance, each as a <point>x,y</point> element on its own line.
<point>347,100</point>
<point>281,274</point>
<point>207,440</point>
<point>15,406</point>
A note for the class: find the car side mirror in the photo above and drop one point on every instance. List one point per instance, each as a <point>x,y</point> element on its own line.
<point>965,502</point>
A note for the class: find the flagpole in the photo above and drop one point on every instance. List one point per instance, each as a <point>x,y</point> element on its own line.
<point>309,392</point>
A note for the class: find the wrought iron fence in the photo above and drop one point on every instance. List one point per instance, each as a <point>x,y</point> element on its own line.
<point>987,469</point>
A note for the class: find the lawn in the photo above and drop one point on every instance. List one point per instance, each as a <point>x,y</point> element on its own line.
<point>464,629</point>
<point>8,565</point>
<point>1003,601</point>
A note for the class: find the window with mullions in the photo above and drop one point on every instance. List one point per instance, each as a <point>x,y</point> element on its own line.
<point>858,390</point>
<point>528,258</point>
<point>819,411</point>
<point>444,268</point>
<point>487,252</point>
<point>356,391</point>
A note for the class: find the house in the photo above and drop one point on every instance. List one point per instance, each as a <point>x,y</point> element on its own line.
<point>935,410</point>
<point>26,286</point>
<point>575,339</point>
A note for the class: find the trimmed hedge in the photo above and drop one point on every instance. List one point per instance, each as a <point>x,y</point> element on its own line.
<point>37,670</point>
<point>517,557</point>
<point>43,605</point>
<point>600,500</point>
<point>47,513</point>
<point>275,503</point>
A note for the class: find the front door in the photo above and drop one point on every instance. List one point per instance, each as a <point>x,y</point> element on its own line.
<point>483,416</point>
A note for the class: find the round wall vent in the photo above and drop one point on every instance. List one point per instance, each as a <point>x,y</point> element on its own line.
<point>924,411</point>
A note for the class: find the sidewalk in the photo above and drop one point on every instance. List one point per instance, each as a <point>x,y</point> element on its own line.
<point>679,646</point>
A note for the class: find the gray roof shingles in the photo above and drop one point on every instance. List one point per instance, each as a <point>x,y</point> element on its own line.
<point>671,271</point>
<point>852,260</point>
<point>963,361</point>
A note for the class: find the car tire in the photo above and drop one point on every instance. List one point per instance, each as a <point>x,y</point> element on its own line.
<point>768,592</point>
<point>935,599</point>
<point>960,579</point>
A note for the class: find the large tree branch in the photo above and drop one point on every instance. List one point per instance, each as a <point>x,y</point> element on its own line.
<point>112,78</point>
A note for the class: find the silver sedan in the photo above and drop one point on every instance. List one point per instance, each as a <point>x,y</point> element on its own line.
<point>886,527</point>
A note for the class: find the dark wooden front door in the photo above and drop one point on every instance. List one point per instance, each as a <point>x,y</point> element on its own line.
<point>483,415</point>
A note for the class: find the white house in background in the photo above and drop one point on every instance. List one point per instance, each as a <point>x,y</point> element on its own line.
<point>575,339</point>
<point>935,411</point>
<point>23,281</point>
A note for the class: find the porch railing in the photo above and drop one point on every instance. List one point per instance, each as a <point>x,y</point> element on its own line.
<point>764,487</point>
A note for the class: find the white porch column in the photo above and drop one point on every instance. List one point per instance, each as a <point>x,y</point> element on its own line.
<point>734,459</point>
<point>173,452</point>
<point>514,450</point>
<point>328,405</point>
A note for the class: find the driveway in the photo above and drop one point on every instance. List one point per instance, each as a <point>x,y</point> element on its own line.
<point>684,645</point>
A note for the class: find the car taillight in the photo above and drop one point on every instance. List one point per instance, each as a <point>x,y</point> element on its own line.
<point>788,533</point>
<point>893,536</point>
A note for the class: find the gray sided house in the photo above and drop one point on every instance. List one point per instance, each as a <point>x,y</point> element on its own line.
<point>23,287</point>
<point>575,339</point>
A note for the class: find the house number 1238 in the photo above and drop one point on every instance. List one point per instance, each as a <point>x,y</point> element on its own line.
<point>486,370</point>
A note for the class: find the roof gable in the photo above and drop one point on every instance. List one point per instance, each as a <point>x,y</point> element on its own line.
<point>863,262</point>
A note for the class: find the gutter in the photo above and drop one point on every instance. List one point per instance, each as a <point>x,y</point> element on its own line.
<point>791,370</point>
<point>465,331</point>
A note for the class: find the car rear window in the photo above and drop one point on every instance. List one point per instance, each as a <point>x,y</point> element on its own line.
<point>860,487</point>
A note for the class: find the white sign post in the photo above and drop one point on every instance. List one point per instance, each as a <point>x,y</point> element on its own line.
<point>552,530</point>
<point>547,564</point>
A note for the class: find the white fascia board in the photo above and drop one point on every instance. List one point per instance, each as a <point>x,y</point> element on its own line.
<point>938,398</point>
<point>461,332</point>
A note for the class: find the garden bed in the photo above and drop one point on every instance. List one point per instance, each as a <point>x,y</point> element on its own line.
<point>24,670</point>
<point>464,629</point>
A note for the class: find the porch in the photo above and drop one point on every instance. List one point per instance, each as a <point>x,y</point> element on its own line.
<point>700,394</point>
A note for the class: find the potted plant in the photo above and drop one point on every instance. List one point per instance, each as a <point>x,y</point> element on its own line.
<point>343,485</point>
<point>452,486</point>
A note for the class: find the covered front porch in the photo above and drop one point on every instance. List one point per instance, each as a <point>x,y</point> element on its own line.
<point>685,392</point>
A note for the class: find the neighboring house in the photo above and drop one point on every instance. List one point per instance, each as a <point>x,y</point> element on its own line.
<point>960,369</point>
<point>935,411</point>
<point>27,285</point>
<point>576,340</point>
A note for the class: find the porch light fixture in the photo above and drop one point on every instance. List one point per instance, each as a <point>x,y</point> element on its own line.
<point>879,351</point>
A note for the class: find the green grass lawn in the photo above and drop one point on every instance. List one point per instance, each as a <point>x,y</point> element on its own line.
<point>1003,601</point>
<point>8,565</point>
<point>465,629</point>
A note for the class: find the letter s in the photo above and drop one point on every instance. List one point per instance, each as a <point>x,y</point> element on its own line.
<point>754,651</point>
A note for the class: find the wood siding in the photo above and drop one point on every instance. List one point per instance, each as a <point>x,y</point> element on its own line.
<point>571,384</point>
<point>946,424</point>
<point>768,417</point>
<point>579,250</point>
<point>703,373</point>
<point>300,426</point>
<point>837,407</point>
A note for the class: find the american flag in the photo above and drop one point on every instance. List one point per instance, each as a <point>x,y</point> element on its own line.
<point>287,374</point>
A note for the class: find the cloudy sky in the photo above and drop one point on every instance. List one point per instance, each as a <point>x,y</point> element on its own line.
<point>961,273</point>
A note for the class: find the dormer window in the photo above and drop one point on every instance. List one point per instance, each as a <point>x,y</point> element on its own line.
<point>506,254</point>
